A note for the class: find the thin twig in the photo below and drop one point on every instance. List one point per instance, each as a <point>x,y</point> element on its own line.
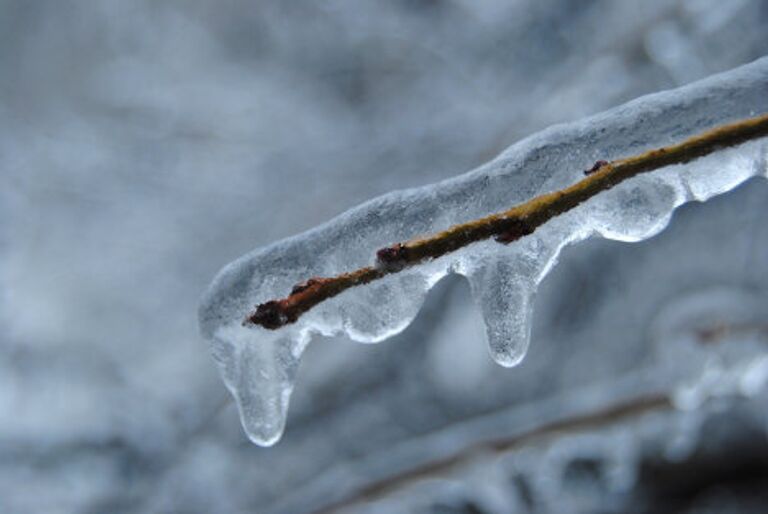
<point>506,226</point>
<point>594,420</point>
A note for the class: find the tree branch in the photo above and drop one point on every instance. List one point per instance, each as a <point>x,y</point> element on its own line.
<point>507,226</point>
<point>592,420</point>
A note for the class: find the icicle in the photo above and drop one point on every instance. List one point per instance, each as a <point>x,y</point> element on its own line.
<point>506,301</point>
<point>260,374</point>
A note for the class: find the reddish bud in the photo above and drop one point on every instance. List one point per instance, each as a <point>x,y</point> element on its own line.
<point>392,257</point>
<point>595,167</point>
<point>519,229</point>
<point>269,315</point>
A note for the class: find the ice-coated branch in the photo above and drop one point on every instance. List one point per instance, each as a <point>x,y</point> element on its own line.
<point>508,226</point>
<point>556,206</point>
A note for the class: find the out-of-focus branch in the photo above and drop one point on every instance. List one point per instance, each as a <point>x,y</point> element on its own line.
<point>507,226</point>
<point>610,415</point>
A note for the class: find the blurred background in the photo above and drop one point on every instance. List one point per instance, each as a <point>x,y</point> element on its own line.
<point>145,144</point>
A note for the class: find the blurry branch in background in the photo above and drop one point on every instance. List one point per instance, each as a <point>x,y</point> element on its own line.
<point>626,411</point>
<point>593,420</point>
<point>507,226</point>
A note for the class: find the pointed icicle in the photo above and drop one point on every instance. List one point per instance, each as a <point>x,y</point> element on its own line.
<point>260,373</point>
<point>506,300</point>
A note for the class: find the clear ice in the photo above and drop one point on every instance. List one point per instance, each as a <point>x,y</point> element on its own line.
<point>258,366</point>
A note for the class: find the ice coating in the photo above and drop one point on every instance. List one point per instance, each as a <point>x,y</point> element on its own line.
<point>258,366</point>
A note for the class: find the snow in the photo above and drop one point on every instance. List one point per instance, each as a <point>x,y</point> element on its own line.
<point>259,366</point>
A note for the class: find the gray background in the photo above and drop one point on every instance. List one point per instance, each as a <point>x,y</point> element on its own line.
<point>145,144</point>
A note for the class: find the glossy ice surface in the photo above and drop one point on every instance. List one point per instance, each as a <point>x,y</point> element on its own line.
<point>259,365</point>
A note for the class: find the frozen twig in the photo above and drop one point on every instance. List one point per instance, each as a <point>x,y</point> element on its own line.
<point>507,226</point>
